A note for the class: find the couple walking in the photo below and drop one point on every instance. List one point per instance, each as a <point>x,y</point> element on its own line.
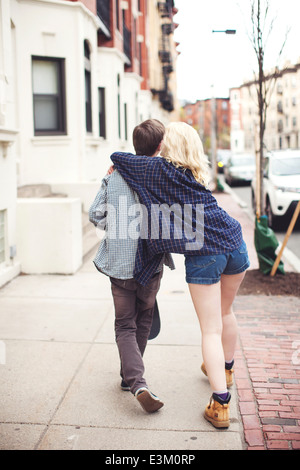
<point>170,172</point>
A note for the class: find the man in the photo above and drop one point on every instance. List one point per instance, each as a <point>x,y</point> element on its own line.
<point>134,303</point>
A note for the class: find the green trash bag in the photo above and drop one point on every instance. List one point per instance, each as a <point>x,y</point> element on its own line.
<point>266,244</point>
<point>220,187</point>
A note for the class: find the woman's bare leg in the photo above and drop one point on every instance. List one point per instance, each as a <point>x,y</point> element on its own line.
<point>229,288</point>
<point>207,303</point>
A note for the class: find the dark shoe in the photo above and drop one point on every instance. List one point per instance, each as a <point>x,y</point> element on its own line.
<point>124,386</point>
<point>148,400</point>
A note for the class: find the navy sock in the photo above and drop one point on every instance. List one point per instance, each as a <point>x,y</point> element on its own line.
<point>222,397</point>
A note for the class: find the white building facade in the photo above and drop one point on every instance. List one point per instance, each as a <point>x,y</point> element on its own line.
<point>9,134</point>
<point>66,104</point>
<point>283,112</point>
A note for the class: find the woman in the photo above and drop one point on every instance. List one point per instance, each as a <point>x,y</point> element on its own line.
<point>214,270</point>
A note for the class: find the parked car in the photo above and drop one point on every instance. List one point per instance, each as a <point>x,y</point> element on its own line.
<point>281,186</point>
<point>223,156</point>
<point>240,168</point>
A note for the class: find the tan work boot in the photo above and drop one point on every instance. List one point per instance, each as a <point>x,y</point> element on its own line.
<point>217,412</point>
<point>229,375</point>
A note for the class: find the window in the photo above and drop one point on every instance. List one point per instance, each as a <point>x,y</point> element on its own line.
<point>102,115</point>
<point>224,105</point>
<point>2,237</point>
<point>118,14</point>
<point>49,107</point>
<point>135,48</point>
<point>88,87</point>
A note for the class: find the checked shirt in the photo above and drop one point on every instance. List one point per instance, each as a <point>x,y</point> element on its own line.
<point>110,212</point>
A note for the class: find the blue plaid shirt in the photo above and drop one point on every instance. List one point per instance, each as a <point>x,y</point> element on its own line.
<point>158,182</point>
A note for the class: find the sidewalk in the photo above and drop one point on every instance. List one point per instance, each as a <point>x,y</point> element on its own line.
<point>59,367</point>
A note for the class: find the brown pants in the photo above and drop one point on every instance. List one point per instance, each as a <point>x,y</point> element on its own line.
<point>134,306</point>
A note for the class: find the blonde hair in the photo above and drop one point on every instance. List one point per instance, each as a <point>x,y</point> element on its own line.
<point>182,146</point>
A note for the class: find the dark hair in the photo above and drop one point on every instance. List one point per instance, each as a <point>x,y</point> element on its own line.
<point>147,136</point>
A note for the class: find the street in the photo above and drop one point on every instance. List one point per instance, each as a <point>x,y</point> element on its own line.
<point>244,193</point>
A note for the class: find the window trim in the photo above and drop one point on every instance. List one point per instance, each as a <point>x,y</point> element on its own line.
<point>60,97</point>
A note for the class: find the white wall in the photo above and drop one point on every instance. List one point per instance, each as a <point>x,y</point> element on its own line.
<point>8,134</point>
<point>71,162</point>
<point>53,29</point>
<point>49,235</point>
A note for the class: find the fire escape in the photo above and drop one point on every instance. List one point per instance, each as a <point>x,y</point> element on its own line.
<point>165,95</point>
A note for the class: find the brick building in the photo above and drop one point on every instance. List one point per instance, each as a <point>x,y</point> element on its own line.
<point>199,115</point>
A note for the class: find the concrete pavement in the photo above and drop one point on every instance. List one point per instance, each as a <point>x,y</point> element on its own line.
<point>60,378</point>
<point>59,365</point>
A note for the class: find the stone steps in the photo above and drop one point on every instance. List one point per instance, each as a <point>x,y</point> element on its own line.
<point>37,191</point>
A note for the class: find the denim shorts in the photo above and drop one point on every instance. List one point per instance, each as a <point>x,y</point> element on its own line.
<point>208,269</point>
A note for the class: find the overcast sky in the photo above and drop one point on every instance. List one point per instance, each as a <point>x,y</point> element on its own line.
<point>223,61</point>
